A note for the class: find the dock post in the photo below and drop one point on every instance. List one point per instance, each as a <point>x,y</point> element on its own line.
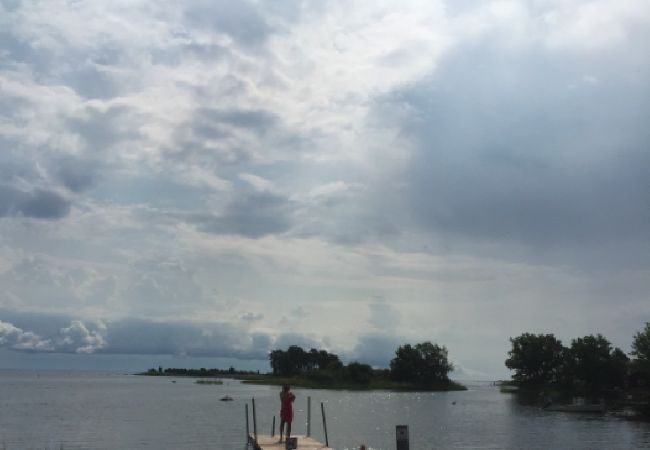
<point>273,427</point>
<point>402,437</point>
<point>248,431</point>
<point>254,422</point>
<point>322,410</point>
<point>309,416</point>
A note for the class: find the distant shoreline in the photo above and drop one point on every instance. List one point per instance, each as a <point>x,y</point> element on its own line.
<point>301,382</point>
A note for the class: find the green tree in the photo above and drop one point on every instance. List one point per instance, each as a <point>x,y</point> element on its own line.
<point>535,358</point>
<point>279,362</point>
<point>405,365</point>
<point>641,346</point>
<point>424,364</point>
<point>296,361</point>
<point>591,364</point>
<point>358,372</point>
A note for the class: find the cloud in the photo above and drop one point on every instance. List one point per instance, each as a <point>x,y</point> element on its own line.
<point>518,156</point>
<point>376,348</point>
<point>593,26</point>
<point>383,316</point>
<point>252,317</point>
<point>80,339</point>
<point>241,21</point>
<point>298,313</point>
<point>205,164</point>
<point>17,339</point>
<point>77,174</point>
<point>140,337</point>
<point>38,204</point>
<point>251,214</point>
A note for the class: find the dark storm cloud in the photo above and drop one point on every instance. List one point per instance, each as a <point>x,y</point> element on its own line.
<point>75,173</point>
<point>39,204</point>
<point>531,149</point>
<point>251,214</point>
<point>61,334</point>
<point>240,20</point>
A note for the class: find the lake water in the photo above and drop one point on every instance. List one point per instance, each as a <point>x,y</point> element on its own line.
<point>107,411</point>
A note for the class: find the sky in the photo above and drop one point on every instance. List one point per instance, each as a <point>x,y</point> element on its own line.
<point>200,182</point>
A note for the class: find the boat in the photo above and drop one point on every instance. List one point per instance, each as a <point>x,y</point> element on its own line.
<point>226,398</point>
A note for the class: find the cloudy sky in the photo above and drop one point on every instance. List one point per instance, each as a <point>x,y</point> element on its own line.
<point>207,180</point>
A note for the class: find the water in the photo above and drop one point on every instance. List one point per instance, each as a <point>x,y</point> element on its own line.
<point>103,411</point>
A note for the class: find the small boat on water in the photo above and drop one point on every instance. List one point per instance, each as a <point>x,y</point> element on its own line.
<point>226,398</point>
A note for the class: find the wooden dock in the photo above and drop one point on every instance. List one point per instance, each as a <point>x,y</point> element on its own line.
<point>266,442</point>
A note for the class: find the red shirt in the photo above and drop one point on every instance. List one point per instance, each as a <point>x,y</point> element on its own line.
<point>286,411</point>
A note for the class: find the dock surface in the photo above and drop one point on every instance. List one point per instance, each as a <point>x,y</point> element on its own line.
<point>304,443</point>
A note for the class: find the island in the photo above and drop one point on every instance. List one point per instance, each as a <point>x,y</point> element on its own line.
<point>589,375</point>
<point>421,367</point>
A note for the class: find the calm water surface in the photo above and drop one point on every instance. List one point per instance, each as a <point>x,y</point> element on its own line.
<point>100,411</point>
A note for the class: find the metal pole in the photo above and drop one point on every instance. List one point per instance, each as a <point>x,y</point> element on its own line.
<point>273,427</point>
<point>254,421</point>
<point>308,416</point>
<point>248,432</point>
<point>322,410</point>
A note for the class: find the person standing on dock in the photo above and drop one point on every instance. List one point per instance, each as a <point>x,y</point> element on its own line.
<point>286,410</point>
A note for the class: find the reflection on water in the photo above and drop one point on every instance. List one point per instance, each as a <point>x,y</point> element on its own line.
<point>91,411</point>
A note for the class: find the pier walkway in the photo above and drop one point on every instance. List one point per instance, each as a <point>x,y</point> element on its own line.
<point>304,443</point>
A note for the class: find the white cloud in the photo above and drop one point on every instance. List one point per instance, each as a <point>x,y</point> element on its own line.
<point>82,339</point>
<point>17,339</point>
<point>593,25</point>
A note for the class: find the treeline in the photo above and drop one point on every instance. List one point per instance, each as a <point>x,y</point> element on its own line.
<point>588,365</point>
<point>202,372</point>
<point>424,365</point>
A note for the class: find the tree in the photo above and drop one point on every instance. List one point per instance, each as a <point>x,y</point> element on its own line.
<point>358,372</point>
<point>535,358</point>
<point>641,346</point>
<point>436,365</point>
<point>404,367</point>
<point>279,362</point>
<point>424,364</point>
<point>296,361</point>
<point>591,364</point>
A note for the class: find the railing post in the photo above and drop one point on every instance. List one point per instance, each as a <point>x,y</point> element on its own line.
<point>309,416</point>
<point>248,432</point>
<point>254,422</point>
<point>322,409</point>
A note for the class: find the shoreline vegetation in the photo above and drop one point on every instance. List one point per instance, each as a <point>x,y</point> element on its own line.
<point>268,379</point>
<point>589,371</point>
<point>421,367</point>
